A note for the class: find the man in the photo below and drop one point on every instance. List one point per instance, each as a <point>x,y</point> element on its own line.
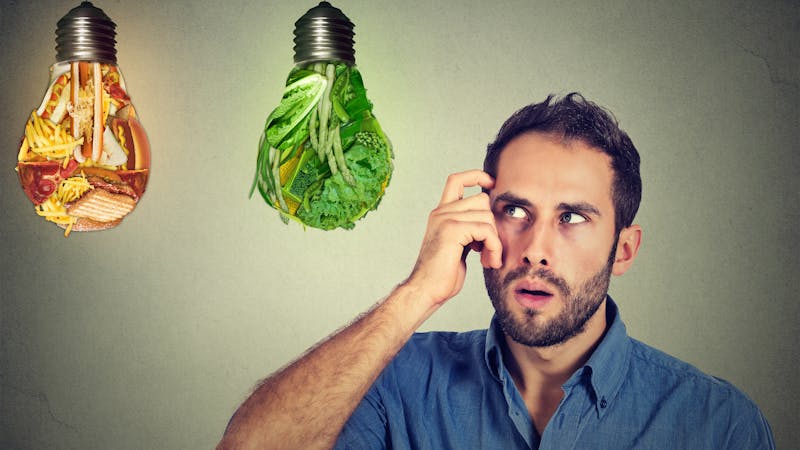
<point>555,369</point>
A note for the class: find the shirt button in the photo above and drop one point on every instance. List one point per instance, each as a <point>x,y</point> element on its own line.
<point>603,402</point>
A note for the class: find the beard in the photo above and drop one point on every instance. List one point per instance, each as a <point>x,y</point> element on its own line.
<point>580,304</point>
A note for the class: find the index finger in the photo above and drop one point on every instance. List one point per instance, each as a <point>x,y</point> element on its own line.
<point>457,182</point>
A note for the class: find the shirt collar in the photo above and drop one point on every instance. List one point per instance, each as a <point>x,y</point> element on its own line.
<point>494,352</point>
<point>609,362</point>
<point>606,367</point>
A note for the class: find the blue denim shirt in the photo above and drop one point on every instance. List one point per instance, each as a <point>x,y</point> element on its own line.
<point>448,390</point>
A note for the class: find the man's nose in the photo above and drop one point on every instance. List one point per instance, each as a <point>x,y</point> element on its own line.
<point>538,244</point>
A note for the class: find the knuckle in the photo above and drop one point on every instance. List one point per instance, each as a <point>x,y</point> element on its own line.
<point>435,213</point>
<point>452,179</point>
<point>449,222</point>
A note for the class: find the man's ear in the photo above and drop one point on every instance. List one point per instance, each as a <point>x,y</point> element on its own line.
<point>627,248</point>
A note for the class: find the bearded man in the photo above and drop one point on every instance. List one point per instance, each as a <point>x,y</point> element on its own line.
<point>556,368</point>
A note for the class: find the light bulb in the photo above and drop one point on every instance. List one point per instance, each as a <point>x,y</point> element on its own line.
<point>84,160</point>
<point>323,158</point>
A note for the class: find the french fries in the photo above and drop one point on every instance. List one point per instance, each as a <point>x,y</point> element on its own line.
<point>46,139</point>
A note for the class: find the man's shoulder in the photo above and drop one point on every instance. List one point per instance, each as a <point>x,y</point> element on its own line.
<point>662,371</point>
<point>675,397</point>
<point>442,348</point>
<point>446,341</point>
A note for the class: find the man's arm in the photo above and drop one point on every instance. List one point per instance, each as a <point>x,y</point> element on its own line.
<point>306,404</point>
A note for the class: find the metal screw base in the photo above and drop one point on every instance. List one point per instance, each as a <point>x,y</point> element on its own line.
<point>324,33</point>
<point>86,33</point>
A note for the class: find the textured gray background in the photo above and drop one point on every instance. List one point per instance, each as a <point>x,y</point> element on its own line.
<point>149,335</point>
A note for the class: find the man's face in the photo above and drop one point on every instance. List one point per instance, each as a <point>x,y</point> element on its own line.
<point>555,218</point>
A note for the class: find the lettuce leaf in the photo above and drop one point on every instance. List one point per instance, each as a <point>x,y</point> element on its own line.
<point>284,127</point>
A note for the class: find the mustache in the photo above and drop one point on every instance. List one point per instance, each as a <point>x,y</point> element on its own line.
<point>540,273</point>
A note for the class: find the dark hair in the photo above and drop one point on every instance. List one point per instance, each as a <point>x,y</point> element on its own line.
<point>574,117</point>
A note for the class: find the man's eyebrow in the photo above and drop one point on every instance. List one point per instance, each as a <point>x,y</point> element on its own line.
<point>509,197</point>
<point>576,207</point>
<point>580,208</point>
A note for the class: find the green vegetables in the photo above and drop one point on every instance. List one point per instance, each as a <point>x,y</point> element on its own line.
<point>323,158</point>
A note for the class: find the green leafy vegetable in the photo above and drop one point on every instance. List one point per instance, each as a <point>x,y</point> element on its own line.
<point>298,100</point>
<point>323,159</point>
<point>310,171</point>
<point>337,203</point>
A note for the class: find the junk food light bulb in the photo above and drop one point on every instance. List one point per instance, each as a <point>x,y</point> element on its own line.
<point>323,159</point>
<point>84,159</point>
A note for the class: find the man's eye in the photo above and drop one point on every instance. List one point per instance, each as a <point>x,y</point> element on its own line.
<point>515,212</point>
<point>572,218</point>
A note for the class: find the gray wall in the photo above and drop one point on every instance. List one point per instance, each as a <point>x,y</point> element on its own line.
<point>149,335</point>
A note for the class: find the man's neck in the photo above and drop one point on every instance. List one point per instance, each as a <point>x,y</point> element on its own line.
<point>539,372</point>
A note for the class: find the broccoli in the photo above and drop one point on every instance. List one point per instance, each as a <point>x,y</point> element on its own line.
<point>371,139</point>
<point>334,203</point>
<point>309,171</point>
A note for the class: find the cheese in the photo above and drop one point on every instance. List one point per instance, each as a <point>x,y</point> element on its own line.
<point>47,139</point>
<point>37,126</point>
<point>72,189</point>
<point>56,151</point>
<point>69,227</point>
<point>53,211</point>
<point>23,150</point>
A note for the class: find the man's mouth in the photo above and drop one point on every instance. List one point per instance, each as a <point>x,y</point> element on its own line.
<point>533,287</point>
<point>534,292</point>
<point>533,295</point>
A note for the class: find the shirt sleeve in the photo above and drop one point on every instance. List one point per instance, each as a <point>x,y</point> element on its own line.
<point>367,427</point>
<point>753,432</point>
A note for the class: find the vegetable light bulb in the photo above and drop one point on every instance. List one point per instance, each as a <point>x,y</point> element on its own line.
<point>84,160</point>
<point>323,159</point>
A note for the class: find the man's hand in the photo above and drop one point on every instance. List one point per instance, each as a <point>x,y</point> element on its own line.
<point>455,227</point>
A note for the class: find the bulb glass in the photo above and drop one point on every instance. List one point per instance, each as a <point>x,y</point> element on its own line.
<point>84,159</point>
<point>324,159</point>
